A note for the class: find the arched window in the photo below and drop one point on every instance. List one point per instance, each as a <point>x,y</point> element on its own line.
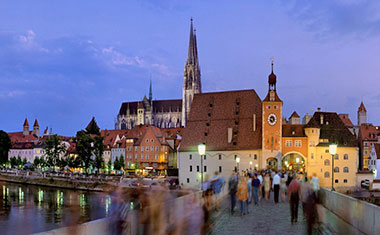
<point>345,170</point>
<point>336,156</point>
<point>327,174</point>
<point>345,157</point>
<point>336,169</point>
<point>327,162</point>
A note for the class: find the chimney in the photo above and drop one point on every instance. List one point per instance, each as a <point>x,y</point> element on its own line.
<point>318,109</point>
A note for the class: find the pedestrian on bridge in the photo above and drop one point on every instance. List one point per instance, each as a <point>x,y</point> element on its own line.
<point>256,187</point>
<point>276,186</point>
<point>294,193</point>
<point>242,195</point>
<point>232,188</point>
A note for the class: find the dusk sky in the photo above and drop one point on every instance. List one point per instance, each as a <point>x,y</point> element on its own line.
<point>63,62</point>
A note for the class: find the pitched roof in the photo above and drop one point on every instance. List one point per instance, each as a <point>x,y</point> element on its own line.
<point>276,98</point>
<point>293,130</point>
<point>368,132</point>
<point>35,123</point>
<point>332,128</point>
<point>377,150</point>
<point>26,123</point>
<point>362,108</point>
<point>294,115</point>
<point>158,106</point>
<point>20,137</point>
<point>211,115</point>
<point>345,119</point>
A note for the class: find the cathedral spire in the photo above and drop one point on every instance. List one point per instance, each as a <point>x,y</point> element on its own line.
<point>150,91</point>
<point>192,57</point>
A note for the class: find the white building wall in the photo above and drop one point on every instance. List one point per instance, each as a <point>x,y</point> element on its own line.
<point>227,163</point>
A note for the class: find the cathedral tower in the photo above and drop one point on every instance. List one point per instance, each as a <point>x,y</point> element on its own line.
<point>362,114</point>
<point>192,76</point>
<point>272,125</point>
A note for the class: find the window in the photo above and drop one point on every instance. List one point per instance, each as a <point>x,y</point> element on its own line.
<point>336,156</point>
<point>275,107</point>
<point>136,156</point>
<point>188,180</point>
<point>288,143</point>
<point>312,156</point>
<point>136,148</point>
<point>235,157</point>
<point>345,157</point>
<point>345,181</point>
<point>191,168</point>
<point>142,156</point>
<point>220,156</point>
<point>204,157</point>
<point>255,157</point>
<point>268,107</point>
<point>336,169</point>
<point>147,148</point>
<point>312,143</point>
<point>336,181</point>
<point>151,140</point>
<point>365,144</point>
<point>220,169</point>
<point>327,174</point>
<point>147,140</point>
<point>327,162</point>
<point>345,169</point>
<point>298,143</point>
<point>156,148</point>
<point>190,157</point>
<point>152,149</point>
<point>204,168</point>
<point>146,156</point>
<point>197,168</point>
<point>326,150</point>
<point>142,148</point>
<point>365,152</point>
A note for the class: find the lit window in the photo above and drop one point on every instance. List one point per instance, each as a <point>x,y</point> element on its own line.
<point>298,143</point>
<point>288,143</point>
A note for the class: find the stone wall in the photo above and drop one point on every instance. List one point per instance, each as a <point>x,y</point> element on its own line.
<point>361,215</point>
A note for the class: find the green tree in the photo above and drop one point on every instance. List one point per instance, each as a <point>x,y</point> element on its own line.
<point>36,162</point>
<point>98,152</point>
<point>5,145</point>
<point>13,162</point>
<point>18,161</point>
<point>116,164</point>
<point>24,161</point>
<point>73,162</point>
<point>109,165</point>
<point>122,161</point>
<point>84,148</point>
<point>53,149</point>
<point>92,127</point>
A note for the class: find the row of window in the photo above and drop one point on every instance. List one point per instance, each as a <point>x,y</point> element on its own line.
<point>204,169</point>
<point>274,107</point>
<point>220,157</point>
<point>289,143</point>
<point>146,148</point>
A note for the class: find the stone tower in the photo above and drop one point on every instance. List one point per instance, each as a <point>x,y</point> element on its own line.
<point>192,75</point>
<point>362,114</point>
<point>25,127</point>
<point>36,128</point>
<point>272,126</point>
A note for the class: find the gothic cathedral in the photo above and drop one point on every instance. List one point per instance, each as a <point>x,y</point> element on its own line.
<point>165,113</point>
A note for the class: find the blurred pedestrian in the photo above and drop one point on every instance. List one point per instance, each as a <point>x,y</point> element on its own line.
<point>249,184</point>
<point>276,186</point>
<point>283,187</point>
<point>310,210</point>
<point>261,178</point>
<point>294,193</point>
<point>232,188</point>
<point>242,195</point>
<point>216,183</point>
<point>267,186</point>
<point>256,187</point>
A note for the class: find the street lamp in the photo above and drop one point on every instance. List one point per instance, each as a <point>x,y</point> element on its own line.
<point>237,162</point>
<point>332,150</point>
<point>202,152</point>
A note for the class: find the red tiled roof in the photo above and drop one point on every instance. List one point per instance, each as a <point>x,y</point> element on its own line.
<point>35,123</point>
<point>211,115</point>
<point>362,108</point>
<point>293,130</point>
<point>368,132</point>
<point>26,122</point>
<point>20,137</point>
<point>345,119</point>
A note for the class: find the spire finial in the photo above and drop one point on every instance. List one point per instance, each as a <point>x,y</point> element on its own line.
<point>150,89</point>
<point>272,59</point>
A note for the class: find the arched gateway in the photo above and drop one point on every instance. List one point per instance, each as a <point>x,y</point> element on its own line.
<point>293,161</point>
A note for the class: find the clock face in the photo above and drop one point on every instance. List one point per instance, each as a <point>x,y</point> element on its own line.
<point>272,119</point>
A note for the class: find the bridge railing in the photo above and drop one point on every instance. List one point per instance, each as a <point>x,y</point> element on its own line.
<point>360,214</point>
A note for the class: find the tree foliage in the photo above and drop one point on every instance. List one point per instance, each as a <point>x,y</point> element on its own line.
<point>53,149</point>
<point>84,148</point>
<point>92,127</point>
<point>5,145</point>
<point>98,152</point>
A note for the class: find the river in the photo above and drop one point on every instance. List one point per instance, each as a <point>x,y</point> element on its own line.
<point>26,209</point>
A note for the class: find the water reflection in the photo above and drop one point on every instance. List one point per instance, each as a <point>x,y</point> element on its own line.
<point>30,209</point>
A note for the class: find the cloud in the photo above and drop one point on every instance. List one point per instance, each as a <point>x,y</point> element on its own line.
<point>330,18</point>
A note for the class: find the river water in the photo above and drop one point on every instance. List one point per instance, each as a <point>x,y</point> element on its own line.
<point>26,209</point>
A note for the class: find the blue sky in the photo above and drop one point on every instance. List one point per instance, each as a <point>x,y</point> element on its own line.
<point>66,61</point>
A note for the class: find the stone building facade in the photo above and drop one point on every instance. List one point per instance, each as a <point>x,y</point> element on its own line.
<point>165,113</point>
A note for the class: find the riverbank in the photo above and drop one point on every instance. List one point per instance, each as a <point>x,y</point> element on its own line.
<point>60,183</point>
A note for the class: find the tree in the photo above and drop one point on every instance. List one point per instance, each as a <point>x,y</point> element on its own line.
<point>72,161</point>
<point>24,161</point>
<point>109,165</point>
<point>116,164</point>
<point>92,127</point>
<point>84,148</point>
<point>13,162</point>
<point>121,161</point>
<point>53,149</point>
<point>18,161</point>
<point>98,151</point>
<point>5,145</point>
<point>36,161</point>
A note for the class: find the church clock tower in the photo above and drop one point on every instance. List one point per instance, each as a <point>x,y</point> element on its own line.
<point>272,126</point>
